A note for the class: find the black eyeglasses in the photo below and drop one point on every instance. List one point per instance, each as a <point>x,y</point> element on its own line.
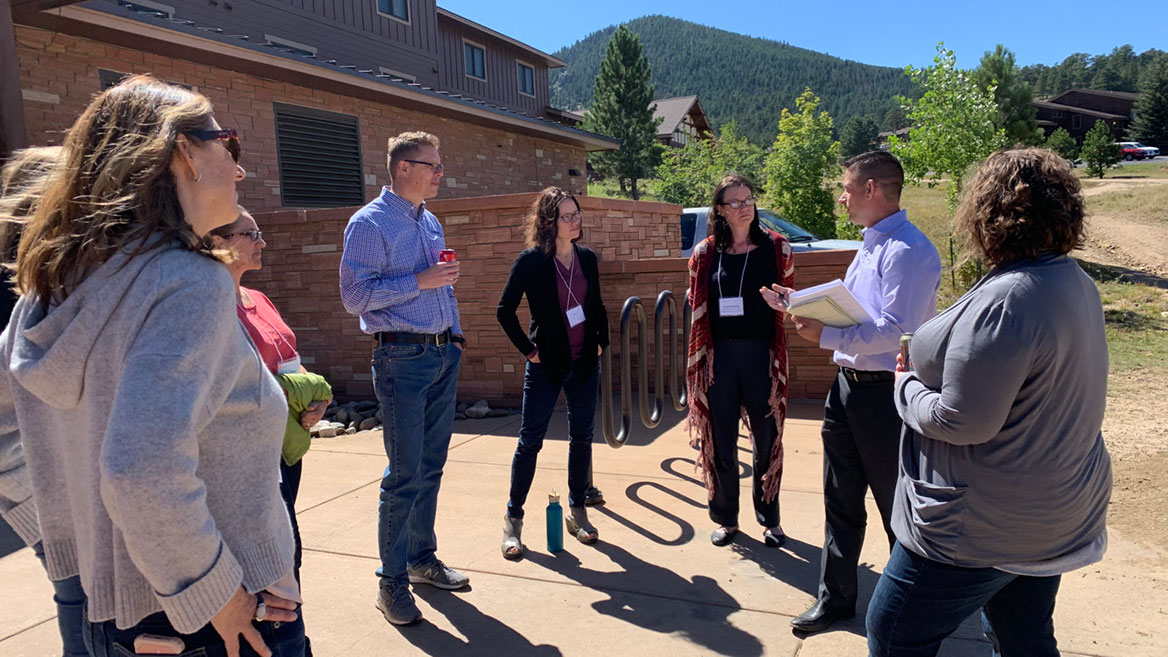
<point>438,168</point>
<point>230,136</point>
<point>253,235</point>
<point>572,217</point>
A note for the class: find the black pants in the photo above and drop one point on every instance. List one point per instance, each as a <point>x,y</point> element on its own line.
<point>289,488</point>
<point>861,437</point>
<point>741,378</point>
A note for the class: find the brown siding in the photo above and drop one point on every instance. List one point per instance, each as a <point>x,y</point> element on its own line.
<point>349,31</point>
<point>499,62</point>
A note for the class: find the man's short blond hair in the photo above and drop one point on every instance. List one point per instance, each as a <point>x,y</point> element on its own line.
<point>406,145</point>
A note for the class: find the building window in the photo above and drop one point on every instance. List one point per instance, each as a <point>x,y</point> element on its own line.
<point>1076,121</point>
<point>398,9</point>
<point>319,155</point>
<point>291,47</point>
<point>148,7</point>
<point>475,59</point>
<point>526,79</point>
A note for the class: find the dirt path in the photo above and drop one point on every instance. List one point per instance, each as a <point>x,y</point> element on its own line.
<point>1113,239</point>
<point>1136,425</point>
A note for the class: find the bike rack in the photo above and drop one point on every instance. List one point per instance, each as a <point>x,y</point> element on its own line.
<point>650,416</point>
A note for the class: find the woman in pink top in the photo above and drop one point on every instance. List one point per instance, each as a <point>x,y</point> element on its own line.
<point>273,339</point>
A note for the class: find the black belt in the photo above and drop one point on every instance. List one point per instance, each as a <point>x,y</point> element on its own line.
<point>867,376</point>
<point>436,339</point>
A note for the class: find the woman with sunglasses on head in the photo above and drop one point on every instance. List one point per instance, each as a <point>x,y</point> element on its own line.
<point>308,394</point>
<point>738,357</point>
<point>132,380</point>
<point>569,329</point>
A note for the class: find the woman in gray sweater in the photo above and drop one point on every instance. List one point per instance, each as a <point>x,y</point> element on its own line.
<point>1004,476</point>
<point>129,380</point>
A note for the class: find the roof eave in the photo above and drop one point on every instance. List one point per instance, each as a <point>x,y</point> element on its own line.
<point>552,61</point>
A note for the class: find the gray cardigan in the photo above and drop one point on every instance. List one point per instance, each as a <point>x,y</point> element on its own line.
<point>152,435</point>
<point>1002,458</point>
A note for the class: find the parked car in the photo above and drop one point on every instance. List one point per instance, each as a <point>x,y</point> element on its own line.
<point>1134,150</point>
<point>694,230</point>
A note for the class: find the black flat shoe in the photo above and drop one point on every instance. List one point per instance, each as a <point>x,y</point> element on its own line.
<point>820,617</point>
<point>723,535</point>
<point>774,537</point>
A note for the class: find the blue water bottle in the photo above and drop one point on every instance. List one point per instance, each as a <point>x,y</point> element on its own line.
<point>555,523</point>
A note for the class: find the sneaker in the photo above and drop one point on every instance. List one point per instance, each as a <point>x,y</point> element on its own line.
<point>438,574</point>
<point>397,604</point>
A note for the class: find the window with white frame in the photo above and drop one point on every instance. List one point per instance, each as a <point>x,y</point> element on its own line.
<point>398,9</point>
<point>526,78</point>
<point>474,57</point>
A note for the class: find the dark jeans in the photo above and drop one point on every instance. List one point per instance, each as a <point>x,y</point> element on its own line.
<point>918,602</point>
<point>416,385</point>
<point>70,600</point>
<point>539,400</point>
<point>742,377</point>
<point>106,640</point>
<point>861,439</point>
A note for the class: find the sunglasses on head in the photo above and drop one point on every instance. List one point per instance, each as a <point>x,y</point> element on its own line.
<point>229,136</point>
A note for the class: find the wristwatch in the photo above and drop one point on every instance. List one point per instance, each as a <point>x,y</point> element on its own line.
<point>459,339</point>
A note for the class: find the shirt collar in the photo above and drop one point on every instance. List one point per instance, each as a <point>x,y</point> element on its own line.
<point>890,223</point>
<point>398,203</point>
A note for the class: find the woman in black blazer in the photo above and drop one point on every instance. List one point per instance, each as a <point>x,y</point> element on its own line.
<point>569,329</point>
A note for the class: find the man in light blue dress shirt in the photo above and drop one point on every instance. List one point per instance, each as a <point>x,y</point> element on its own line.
<point>393,278</point>
<point>895,274</point>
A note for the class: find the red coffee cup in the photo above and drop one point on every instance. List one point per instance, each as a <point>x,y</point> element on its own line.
<point>446,255</point>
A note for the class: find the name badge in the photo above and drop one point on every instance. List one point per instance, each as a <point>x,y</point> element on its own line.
<point>730,307</point>
<point>290,366</point>
<point>575,316</point>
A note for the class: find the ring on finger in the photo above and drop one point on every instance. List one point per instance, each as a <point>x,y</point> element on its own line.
<point>261,611</point>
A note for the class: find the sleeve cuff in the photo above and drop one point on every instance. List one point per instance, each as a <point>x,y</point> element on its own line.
<point>194,606</point>
<point>830,338</point>
<point>23,519</point>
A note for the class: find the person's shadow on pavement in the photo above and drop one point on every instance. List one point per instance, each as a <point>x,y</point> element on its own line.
<point>655,598</point>
<point>484,634</point>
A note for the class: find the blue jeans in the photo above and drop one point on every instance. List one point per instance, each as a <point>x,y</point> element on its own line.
<point>539,400</point>
<point>918,602</point>
<point>106,640</point>
<point>70,600</point>
<point>416,385</point>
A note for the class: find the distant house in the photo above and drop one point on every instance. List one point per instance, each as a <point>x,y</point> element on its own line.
<point>1077,111</point>
<point>882,137</point>
<point>682,120</point>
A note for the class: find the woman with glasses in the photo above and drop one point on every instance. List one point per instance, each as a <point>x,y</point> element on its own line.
<point>128,380</point>
<point>276,344</point>
<point>568,331</point>
<point>738,357</point>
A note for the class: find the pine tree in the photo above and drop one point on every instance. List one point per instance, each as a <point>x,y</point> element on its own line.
<point>802,160</point>
<point>858,136</point>
<point>1151,124</point>
<point>1060,141</point>
<point>1014,97</point>
<point>622,108</point>
<point>1099,151</point>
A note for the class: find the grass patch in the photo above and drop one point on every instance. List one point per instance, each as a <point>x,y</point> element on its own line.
<point>1137,334</point>
<point>1146,203</point>
<point>610,188</point>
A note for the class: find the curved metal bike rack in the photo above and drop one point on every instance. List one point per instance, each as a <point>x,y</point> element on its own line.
<point>650,416</point>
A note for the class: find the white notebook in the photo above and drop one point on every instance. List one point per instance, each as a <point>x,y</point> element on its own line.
<point>830,303</point>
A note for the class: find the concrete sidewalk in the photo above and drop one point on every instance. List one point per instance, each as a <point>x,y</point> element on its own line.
<point>653,585</point>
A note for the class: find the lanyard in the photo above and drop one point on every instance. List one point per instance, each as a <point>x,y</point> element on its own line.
<point>568,283</point>
<point>740,280</point>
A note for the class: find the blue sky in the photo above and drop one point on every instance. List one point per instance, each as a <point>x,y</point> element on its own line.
<point>888,34</point>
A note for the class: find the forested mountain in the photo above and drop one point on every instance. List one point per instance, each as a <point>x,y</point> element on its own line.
<point>733,75</point>
<point>1118,71</point>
